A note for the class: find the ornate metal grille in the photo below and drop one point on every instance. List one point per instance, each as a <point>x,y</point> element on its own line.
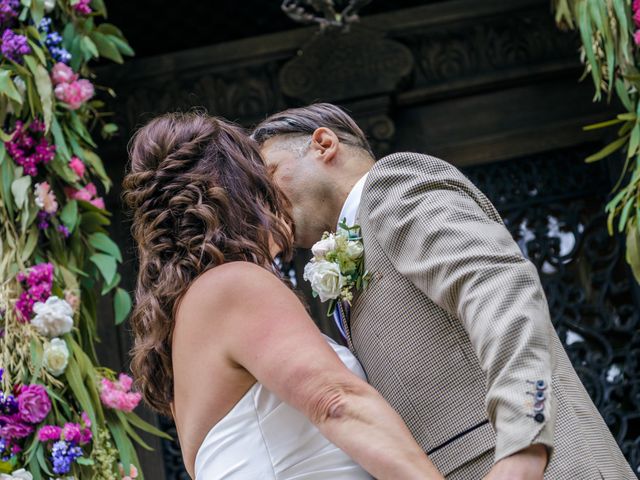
<point>552,204</point>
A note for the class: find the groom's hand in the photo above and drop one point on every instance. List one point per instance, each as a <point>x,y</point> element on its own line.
<point>527,464</point>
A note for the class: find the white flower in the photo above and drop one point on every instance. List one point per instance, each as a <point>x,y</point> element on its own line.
<point>53,318</point>
<point>325,278</point>
<point>324,246</point>
<point>49,5</point>
<point>21,474</point>
<point>355,249</point>
<point>56,356</point>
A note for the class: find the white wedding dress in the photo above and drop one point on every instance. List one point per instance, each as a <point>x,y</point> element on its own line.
<point>264,438</point>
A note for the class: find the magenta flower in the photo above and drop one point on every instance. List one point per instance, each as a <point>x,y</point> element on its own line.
<point>117,395</point>
<point>82,7</point>
<point>49,432</point>
<point>77,166</point>
<point>13,428</point>
<point>33,403</point>
<point>28,150</point>
<point>636,37</point>
<point>37,284</point>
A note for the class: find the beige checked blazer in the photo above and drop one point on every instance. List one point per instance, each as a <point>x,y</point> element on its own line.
<point>454,330</point>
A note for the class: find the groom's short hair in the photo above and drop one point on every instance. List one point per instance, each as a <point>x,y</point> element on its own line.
<point>305,121</point>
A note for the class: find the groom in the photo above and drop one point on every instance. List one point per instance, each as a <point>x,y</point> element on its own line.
<point>454,327</point>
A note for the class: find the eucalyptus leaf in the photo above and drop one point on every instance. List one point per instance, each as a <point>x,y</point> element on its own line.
<point>121,305</point>
<point>106,265</point>
<point>69,215</point>
<point>44,87</point>
<point>103,243</point>
<point>106,47</point>
<point>61,143</point>
<point>633,251</point>
<point>19,189</point>
<point>8,88</point>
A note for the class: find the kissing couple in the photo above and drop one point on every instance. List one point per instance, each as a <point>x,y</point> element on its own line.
<point>453,368</point>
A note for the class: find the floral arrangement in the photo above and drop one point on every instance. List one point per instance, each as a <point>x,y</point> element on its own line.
<point>61,414</point>
<point>610,34</point>
<point>336,270</point>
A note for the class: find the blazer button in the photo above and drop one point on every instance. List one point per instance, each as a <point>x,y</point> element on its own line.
<point>538,407</point>
<point>540,396</point>
<point>539,417</point>
<point>541,385</point>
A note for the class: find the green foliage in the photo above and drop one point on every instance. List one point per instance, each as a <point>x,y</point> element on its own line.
<point>68,232</point>
<point>611,59</point>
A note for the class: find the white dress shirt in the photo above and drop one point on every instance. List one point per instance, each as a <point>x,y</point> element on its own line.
<point>351,205</point>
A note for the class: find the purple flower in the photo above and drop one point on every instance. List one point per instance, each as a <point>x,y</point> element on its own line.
<point>43,220</point>
<point>14,46</point>
<point>63,454</point>
<point>64,231</point>
<point>33,403</point>
<point>8,404</point>
<point>8,10</point>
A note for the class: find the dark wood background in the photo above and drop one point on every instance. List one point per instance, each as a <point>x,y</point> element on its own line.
<point>472,82</point>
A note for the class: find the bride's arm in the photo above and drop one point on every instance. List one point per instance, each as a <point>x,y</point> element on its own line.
<point>267,331</point>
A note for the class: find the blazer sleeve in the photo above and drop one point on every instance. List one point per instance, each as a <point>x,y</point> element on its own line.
<point>444,235</point>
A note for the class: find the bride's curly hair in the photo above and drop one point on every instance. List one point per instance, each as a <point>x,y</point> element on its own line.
<point>201,196</point>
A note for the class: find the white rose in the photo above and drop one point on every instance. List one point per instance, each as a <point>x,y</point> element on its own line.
<point>321,248</point>
<point>56,356</point>
<point>325,278</point>
<point>53,318</point>
<point>49,5</point>
<point>21,474</point>
<point>354,249</point>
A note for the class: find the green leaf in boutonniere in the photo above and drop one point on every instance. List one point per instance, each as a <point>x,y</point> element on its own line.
<point>336,270</point>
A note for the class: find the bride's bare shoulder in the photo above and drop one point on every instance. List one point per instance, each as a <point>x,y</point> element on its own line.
<point>231,282</point>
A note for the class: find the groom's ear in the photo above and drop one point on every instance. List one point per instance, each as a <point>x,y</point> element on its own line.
<point>324,143</point>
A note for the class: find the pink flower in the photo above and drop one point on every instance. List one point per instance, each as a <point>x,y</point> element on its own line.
<point>98,203</point>
<point>49,432</point>
<point>117,394</point>
<point>45,198</point>
<point>85,89</point>
<point>133,472</point>
<point>33,403</point>
<point>87,194</point>
<point>72,299</point>
<point>62,73</point>
<point>77,166</point>
<point>636,37</point>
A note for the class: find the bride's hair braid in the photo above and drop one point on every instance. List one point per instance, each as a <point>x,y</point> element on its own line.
<point>200,196</point>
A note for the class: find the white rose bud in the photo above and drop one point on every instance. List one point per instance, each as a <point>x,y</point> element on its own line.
<point>325,278</point>
<point>53,318</point>
<point>49,5</point>
<point>21,474</point>
<point>354,249</point>
<point>321,248</point>
<point>56,356</point>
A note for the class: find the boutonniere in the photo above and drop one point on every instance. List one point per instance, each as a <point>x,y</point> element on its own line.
<point>336,270</point>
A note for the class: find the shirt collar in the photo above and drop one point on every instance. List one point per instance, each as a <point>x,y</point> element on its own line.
<point>351,205</point>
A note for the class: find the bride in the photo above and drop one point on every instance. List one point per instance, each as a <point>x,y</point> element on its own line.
<point>221,343</point>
